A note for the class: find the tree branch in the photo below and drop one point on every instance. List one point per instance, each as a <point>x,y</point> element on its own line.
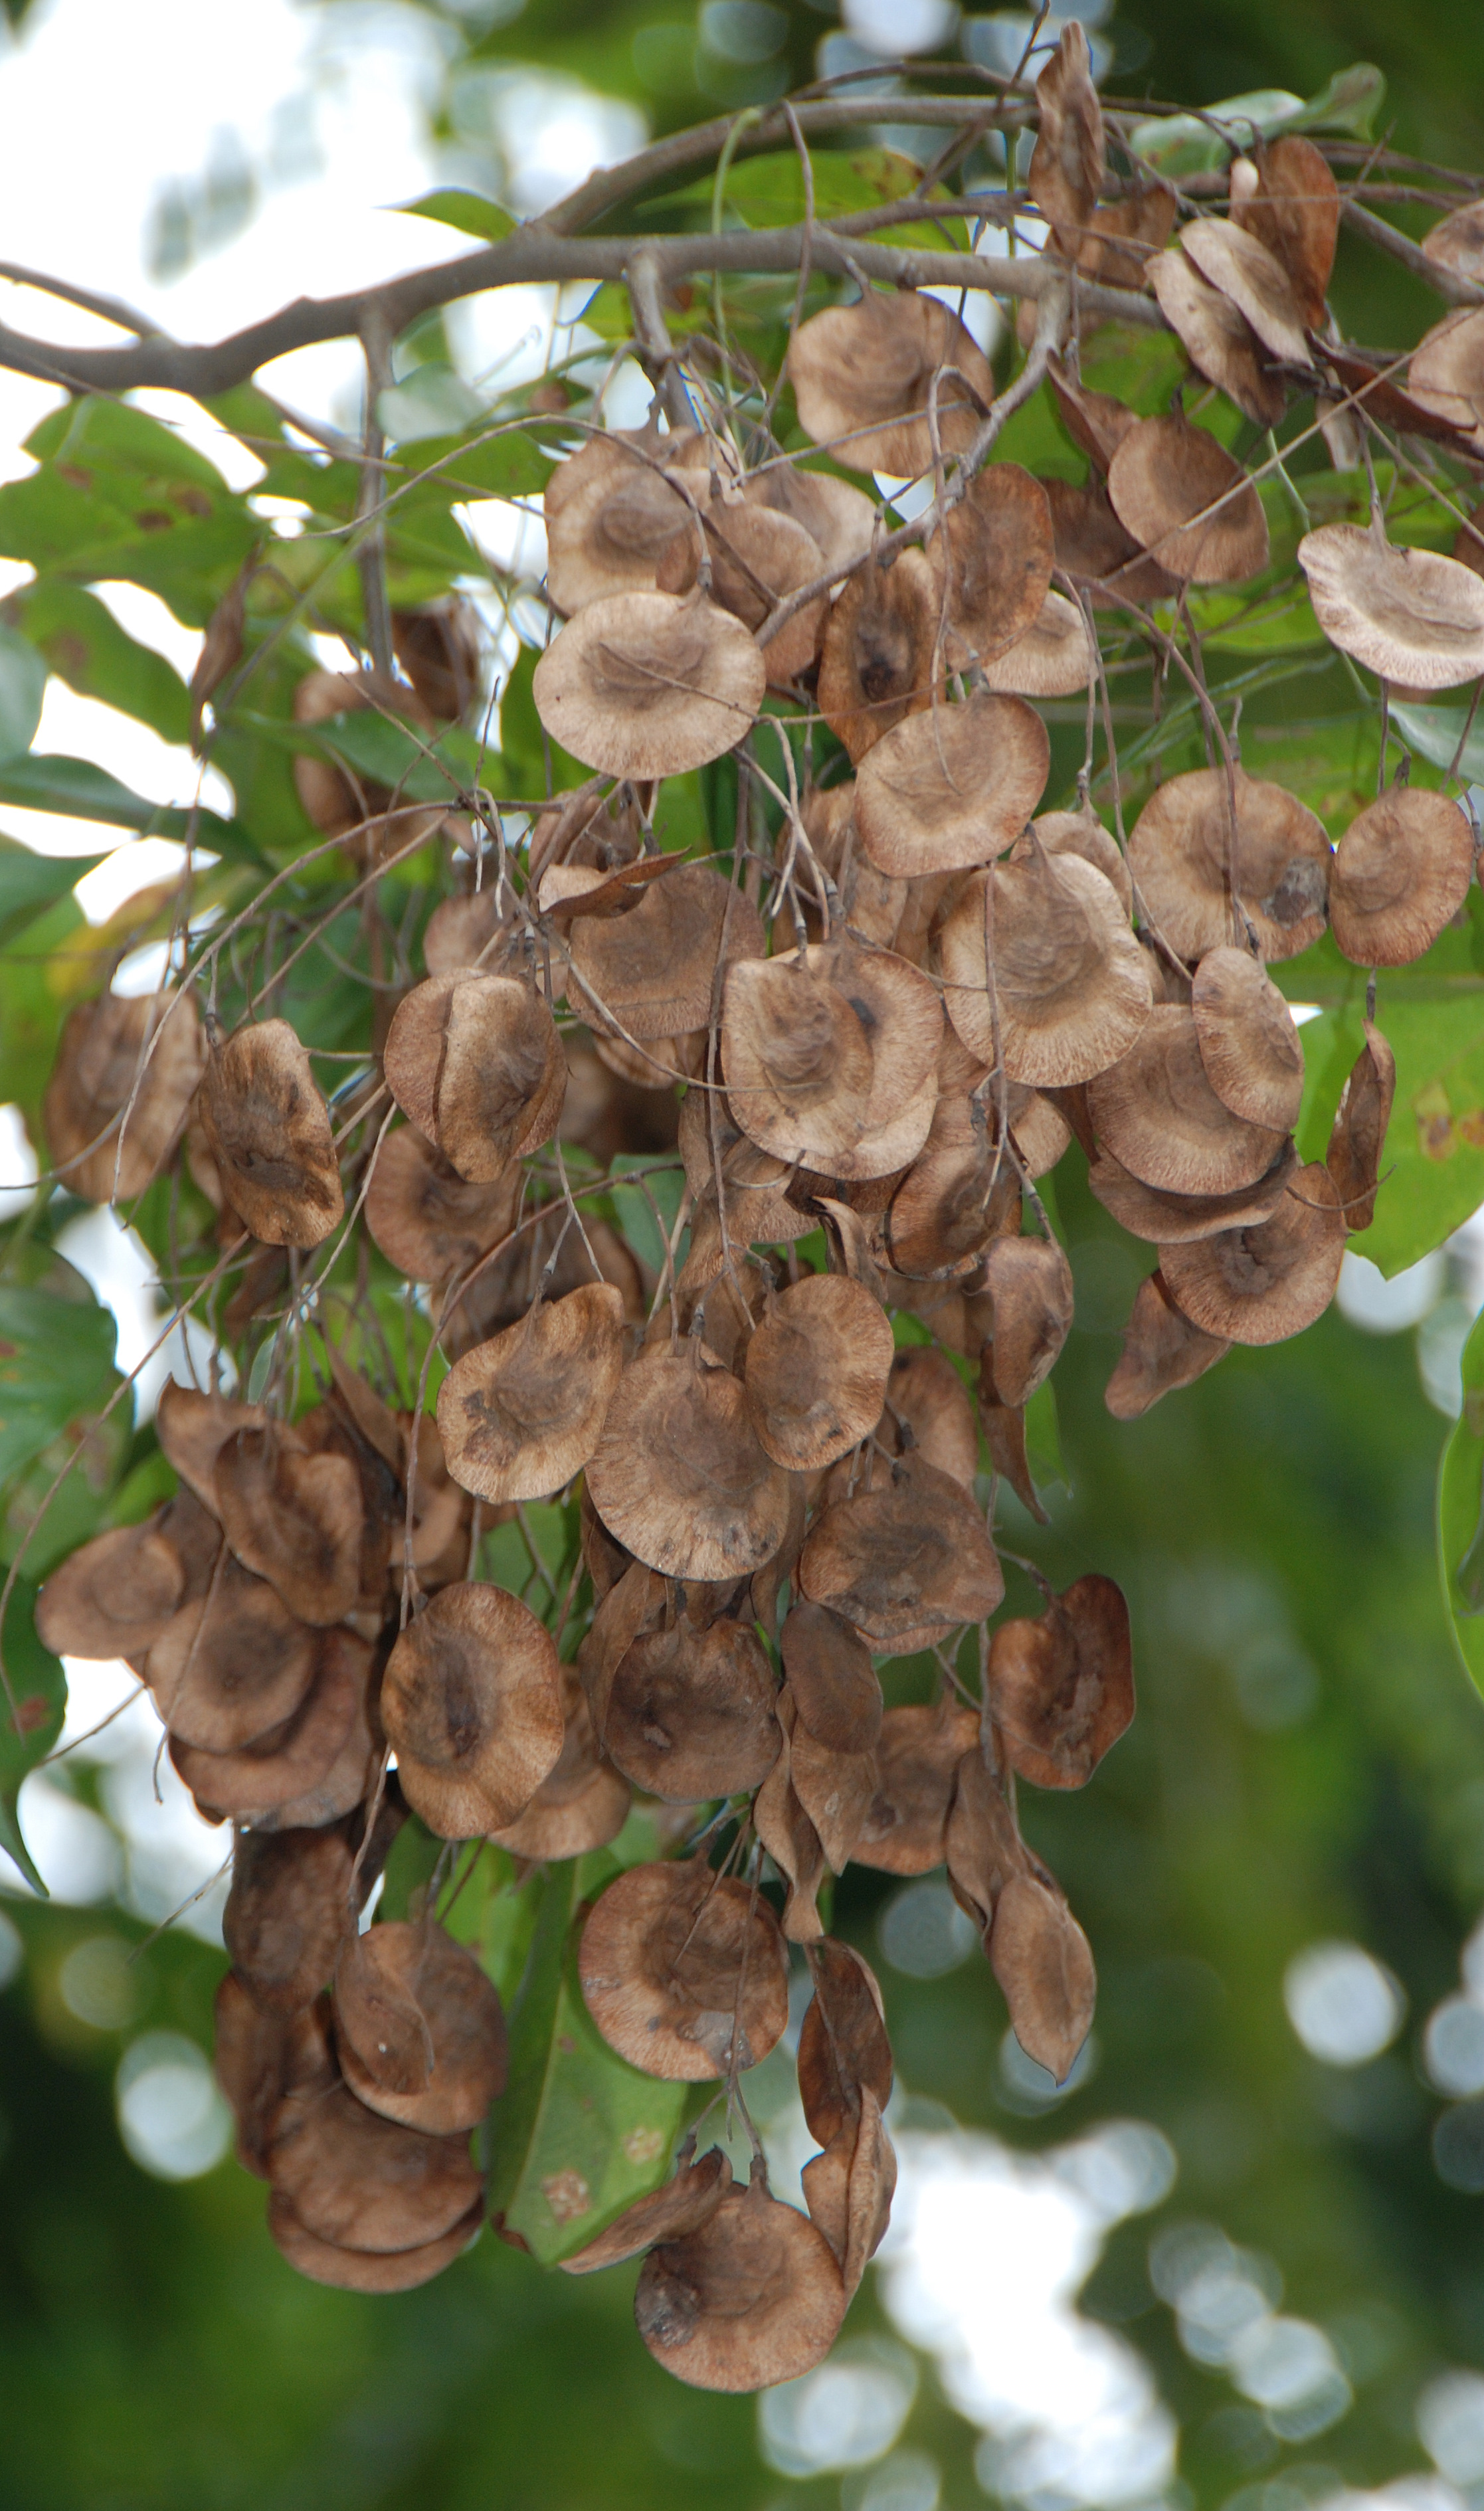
<point>1443,282</point>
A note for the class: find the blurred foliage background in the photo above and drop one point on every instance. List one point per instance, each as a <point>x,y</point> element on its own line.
<point>1307,1764</point>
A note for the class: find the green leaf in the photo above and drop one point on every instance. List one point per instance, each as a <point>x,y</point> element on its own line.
<point>636,1210</point>
<point>1350,102</point>
<point>1434,1146</point>
<point>469,211</point>
<point>1461,1514</point>
<point>1184,143</point>
<point>1043,1440</point>
<point>124,441</point>
<point>31,882</point>
<point>22,686</point>
<point>767,191</point>
<point>38,1688</point>
<point>84,645</point>
<point>1438,733</point>
<point>577,2134</point>
<point>434,401</point>
<point>81,791</point>
<point>56,1370</point>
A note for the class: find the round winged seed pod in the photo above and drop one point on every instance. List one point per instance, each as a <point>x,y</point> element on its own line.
<point>1291,202</point>
<point>294,1518</point>
<point>880,659</point>
<point>1162,1121</point>
<point>1169,1219</point>
<point>288,1767</point>
<point>1062,1687</point>
<point>1053,659</point>
<point>1445,373</point>
<point>1078,832</point>
<point>838,518</point>
<point>677,1964</point>
<point>113,1597</point>
<point>460,2015</point>
<point>863,376</point>
<point>610,513</point>
<point>471,1701</point>
<point>288,1914</point>
<point>912,1550</point>
<point>1262,1284</point>
<point>258,2058</point>
<point>1161,1351</point>
<point>581,1804</point>
<point>269,1133</point>
<point>1408,615</point>
<point>688,1714</point>
<point>1068,162</point>
<point>1043,1962</point>
<point>928,1409</point>
<point>995,550</point>
<point>1188,503</point>
<point>362,2182</point>
<point>1249,1044</point>
<point>193,1427</point>
<point>1029,1283</point>
<point>834,1685</point>
<point>439,649</point>
<point>647,685</point>
<point>951,788</point>
<point>521,1414</point>
<point>459,931</point>
<point>1401,869</point>
<point>654,969</point>
<point>1456,241</point>
<point>1218,341</point>
<point>232,1664</point>
<point>428,1220</point>
<point>1071,988</point>
<point>816,1372</point>
<point>678,1475</point>
<point>752,2297</point>
<point>1239,263</point>
<point>127,1069</point>
<point>831,1057</point>
<point>758,556</point>
<point>475,1060</point>
<point>1180,855</point>
<point>918,1756</point>
<point>351,2270</point>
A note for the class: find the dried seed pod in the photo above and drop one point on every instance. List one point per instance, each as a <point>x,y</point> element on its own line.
<point>1292,206</point>
<point>910,1553</point>
<point>1071,986</point>
<point>1218,339</point>
<point>838,518</point>
<point>787,1832</point>
<point>1122,238</point>
<point>1401,869</point>
<point>865,375</point>
<point>1263,1284</point>
<point>1360,1132</point>
<point>309,1771</point>
<point>960,1191</point>
<point>610,513</point>
<point>831,1678</point>
<point>193,1428</point>
<point>521,1414</point>
<point>352,2271</point>
<point>984,1846</point>
<point>678,1475</point>
<point>115,1108</point>
<point>835,1791</point>
<point>688,1714</point>
<point>952,787</point>
<point>1029,1281</point>
<point>1253,279</point>
<point>581,1804</point>
<point>842,2045</point>
<point>459,931</point>
<point>269,1133</point>
<point>439,648</point>
<point>816,1372</point>
<point>259,2058</point>
<point>1097,422</point>
<point>420,2030</point>
<point>758,556</point>
<point>1093,547</point>
<point>1043,1962</point>
<point>831,1057</point>
<point>471,1701</point>
<point>646,684</point>
<point>751,2297</point>
<point>231,1664</point>
<point>994,553</point>
<point>1004,1435</point>
<point>1170,1219</point>
<point>1408,615</point>
<point>476,1063</point>
<point>1188,502</point>
<point>848,2190</point>
<point>654,970</point>
<point>930,1411</point>
<point>1062,1687</point>
<point>1161,1351</point>
<point>1185,848</point>
<point>361,2182</point>
<point>1053,659</point>
<point>905,1832</point>
<point>880,660</point>
<point>288,1914</point>
<point>1157,1113</point>
<point>678,1964</point>
<point>1249,1044</point>
<point>1078,832</point>
<point>1068,164</point>
<point>567,890</point>
<point>1445,373</point>
<point>1456,241</point>
<point>294,1518</point>
<point>113,1597</point>
<point>682,2204</point>
<point>428,1222</point>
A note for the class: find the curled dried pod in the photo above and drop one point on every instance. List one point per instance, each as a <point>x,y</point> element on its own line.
<point>754,2297</point>
<point>1159,1116</point>
<point>232,1663</point>
<point>1262,1284</point>
<point>654,969</point>
<point>521,1414</point>
<point>611,512</point>
<point>289,1912</point>
<point>475,1060</point>
<point>918,1756</point>
<point>786,1829</point>
<point>1030,1282</point>
<point>816,1370</point>
<point>835,1791</point>
<point>429,1222</point>
<point>113,1597</point>
<point>362,2182</point>
<point>438,646</point>
<point>951,788</point>
<point>568,890</point>
<point>293,1516</point>
<point>1445,373</point>
<point>1217,339</point>
<point>833,1682</point>
<point>1231,258</point>
<point>930,1410</point>
<point>356,2270</point>
<point>268,1130</point>
<point>880,660</point>
<point>848,2190</point>
<point>994,553</point>
<point>1072,991</point>
<point>678,1475</point>
<point>864,374</point>
<point>420,2027</point>
<point>684,1972</point>
<point>116,1104</point>
<point>1249,1045</point>
<point>1198,831</point>
<point>758,556</point>
<point>1093,547</point>
<point>315,1767</point>
<point>193,1427</point>
<point>649,684</point>
<point>1161,1351</point>
<point>909,1553</point>
<point>460,930</point>
<point>1061,1686</point>
<point>1292,205</point>
<point>258,2058</point>
<point>1167,1219</point>
<point>471,1701</point>
<point>688,1714</point>
<point>1068,162</point>
<point>1185,500</point>
<point>1054,658</point>
<point>1401,870</point>
<point>1358,1136</point>
<point>682,2204</point>
<point>1408,615</point>
<point>842,2045</point>
<point>582,1802</point>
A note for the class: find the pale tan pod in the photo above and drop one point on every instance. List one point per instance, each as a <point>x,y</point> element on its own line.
<point>1237,262</point>
<point>1249,1044</point>
<point>1159,1116</point>
<point>1456,242</point>
<point>1079,832</point>
<point>1188,502</point>
<point>1161,1351</point>
<point>994,553</point>
<point>521,1414</point>
<point>816,1370</point>
<point>1289,199</point>
<point>752,2297</point>
<point>678,1475</point>
<point>1072,989</point>
<point>145,1048</point>
<point>1068,162</point>
<point>610,513</point>
<point>683,1969</point>
<point>863,376</point>
<point>1403,869</point>
<point>1167,1219</point>
<point>1218,341</point>
<point>269,1133</point>
<point>1053,659</point>
<point>1180,855</point>
<point>654,969</point>
<point>1408,615</point>
<point>1446,373</point>
<point>1263,1284</point>
<point>646,685</point>
<point>951,788</point>
<point>881,656</point>
<point>471,1701</point>
<point>757,557</point>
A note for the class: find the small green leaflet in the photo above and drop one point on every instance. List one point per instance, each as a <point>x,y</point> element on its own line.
<point>636,1210</point>
<point>1184,144</point>
<point>22,686</point>
<point>38,1687</point>
<point>1438,732</point>
<point>1461,1514</point>
<point>79,638</point>
<point>469,211</point>
<point>29,883</point>
<point>75,787</point>
<point>56,1370</point>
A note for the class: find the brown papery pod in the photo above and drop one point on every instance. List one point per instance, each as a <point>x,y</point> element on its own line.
<point>293,1517</point>
<point>678,1475</point>
<point>1445,373</point>
<point>1408,615</point>
<point>259,2058</point>
<point>649,684</point>
<point>668,2214</point>
<point>521,1414</point>
<point>231,1664</point>
<point>1097,422</point>
<point>221,648</point>
<point>929,1410</point>
<point>1062,1687</point>
<point>147,1049</point>
<point>951,788</point>
<point>684,1972</point>
<point>837,1791</point>
<point>984,1846</point>
<point>475,1060</point>
<point>459,931</point>
<point>880,660</point>
<point>1401,872</point>
<point>1169,1219</point>
<point>816,1372</point>
<point>754,1180</point>
<point>1053,659</point>
<point>1043,1962</point>
<point>471,1701</point>
<point>752,2297</point>
<point>1029,1281</point>
<point>758,556</point>
<point>1218,341</point>
<point>1356,1142</point>
<point>1187,502</point>
<point>864,374</point>
<point>1068,162</point>
<point>787,1832</point>
<point>1004,1435</point>
<point>959,1191</point>
<point>428,1222</point>
<point>309,1771</point>
<point>581,1804</point>
<point>289,1912</point>
<point>434,2001</point>
<point>1161,1351</point>
<point>567,890</point>
<point>439,648</point>
<point>832,1056</point>
<point>269,1133</point>
<point>654,969</point>
<point>831,1680</point>
<point>362,2182</point>
<point>113,1597</point>
<point>1071,991</point>
<point>1456,241</point>
<point>917,1758</point>
<point>193,1427</point>
<point>842,2045</point>
<point>688,1713</point>
<point>1093,547</point>
<point>352,2271</point>
<point>1183,851</point>
<point>993,552</point>
<point>910,1554</point>
<point>1254,281</point>
<point>1157,1113</point>
<point>1078,832</point>
<point>839,518</point>
<point>1286,195</point>
<point>610,513</point>
<point>1263,1284</point>
<point>848,2189</point>
<point>1249,1044</point>
<point>1125,236</point>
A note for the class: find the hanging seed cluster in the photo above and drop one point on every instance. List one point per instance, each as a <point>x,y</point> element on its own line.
<point>884,1022</point>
